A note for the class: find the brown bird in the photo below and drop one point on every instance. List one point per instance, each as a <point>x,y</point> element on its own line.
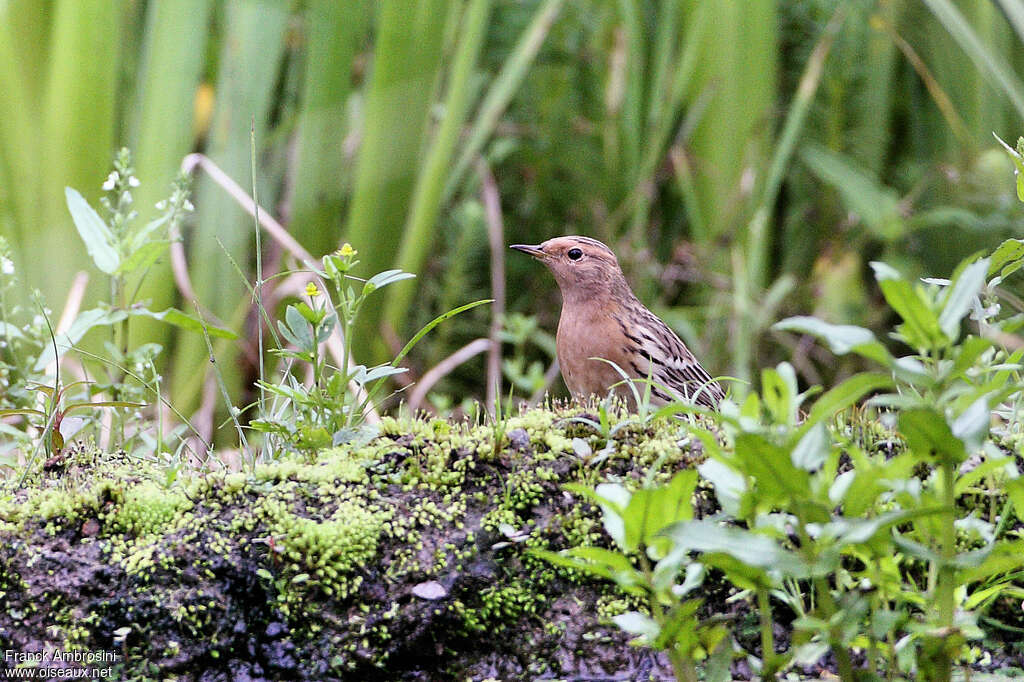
<point>601,318</point>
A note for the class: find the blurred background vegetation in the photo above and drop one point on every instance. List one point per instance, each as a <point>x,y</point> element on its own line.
<point>745,158</point>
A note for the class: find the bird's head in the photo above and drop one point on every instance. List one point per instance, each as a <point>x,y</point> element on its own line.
<point>583,267</point>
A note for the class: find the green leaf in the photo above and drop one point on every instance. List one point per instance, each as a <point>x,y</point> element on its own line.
<point>927,434</point>
<point>729,485</point>
<point>811,450</point>
<point>650,510</point>
<point>778,480</point>
<point>973,425</point>
<point>846,394</point>
<point>752,549</point>
<point>1015,491</point>
<point>143,237</point>
<point>779,391</point>
<point>961,296</point>
<point>22,411</point>
<point>175,317</point>
<point>921,326</point>
<point>86,320</point>
<point>102,403</point>
<point>967,353</point>
<point>613,498</point>
<point>841,338</point>
<point>99,240</point>
<point>9,330</point>
<point>1010,251</point>
<point>433,323</point>
<point>636,623</point>
<point>853,531</point>
<point>144,256</point>
<point>382,279</point>
<point>300,329</point>
<point>379,372</point>
<point>878,206</point>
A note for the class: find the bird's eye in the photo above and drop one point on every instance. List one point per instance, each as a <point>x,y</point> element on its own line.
<point>574,254</point>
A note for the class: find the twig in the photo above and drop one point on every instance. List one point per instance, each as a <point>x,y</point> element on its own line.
<point>496,238</point>
<point>443,368</point>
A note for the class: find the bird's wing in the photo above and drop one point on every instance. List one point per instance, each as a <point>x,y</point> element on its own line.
<point>667,360</point>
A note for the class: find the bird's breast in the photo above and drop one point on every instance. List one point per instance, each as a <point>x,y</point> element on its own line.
<point>584,334</point>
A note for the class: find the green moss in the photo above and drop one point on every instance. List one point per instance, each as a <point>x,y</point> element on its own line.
<point>147,508</point>
<point>421,502</point>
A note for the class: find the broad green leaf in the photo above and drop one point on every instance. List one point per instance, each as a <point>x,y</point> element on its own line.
<point>752,549</point>
<point>300,328</point>
<point>928,435</point>
<point>961,296</point>
<point>636,623</point>
<point>86,320</point>
<point>175,317</point>
<point>778,480</point>
<point>652,509</point>
<point>811,450</point>
<point>382,279</point>
<point>287,334</point>
<point>920,324</point>
<point>99,240</point>
<point>729,485</point>
<point>779,391</point>
<point>973,425</point>
<point>1001,559</point>
<point>853,531</point>
<point>144,256</point>
<point>841,338</point>
<point>846,394</point>
<point>878,206</point>
<point>1009,252</point>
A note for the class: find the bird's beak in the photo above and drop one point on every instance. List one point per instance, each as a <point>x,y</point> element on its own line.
<point>529,250</point>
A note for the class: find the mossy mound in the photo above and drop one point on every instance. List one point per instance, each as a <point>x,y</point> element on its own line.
<point>401,559</point>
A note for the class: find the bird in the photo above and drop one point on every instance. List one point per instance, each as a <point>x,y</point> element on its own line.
<point>602,318</point>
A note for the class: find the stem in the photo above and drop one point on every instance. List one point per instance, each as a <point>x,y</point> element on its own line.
<point>259,265</point>
<point>945,599</point>
<point>829,609</point>
<point>768,665</point>
<point>682,666</point>
<point>345,322</point>
<point>827,604</point>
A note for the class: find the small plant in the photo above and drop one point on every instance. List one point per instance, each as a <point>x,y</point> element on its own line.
<point>125,253</point>
<point>644,565</point>
<point>869,549</point>
<point>328,411</point>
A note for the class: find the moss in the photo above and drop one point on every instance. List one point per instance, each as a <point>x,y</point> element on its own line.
<point>307,569</point>
<point>147,508</point>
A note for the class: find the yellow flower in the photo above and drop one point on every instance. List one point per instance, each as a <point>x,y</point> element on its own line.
<point>312,291</point>
<point>346,250</point>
